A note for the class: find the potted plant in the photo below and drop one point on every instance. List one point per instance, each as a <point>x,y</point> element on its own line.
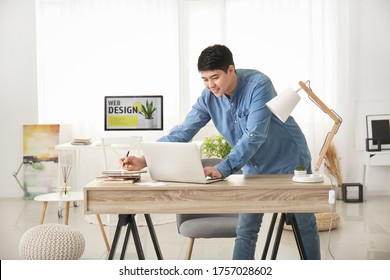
<point>300,170</point>
<point>147,111</point>
<point>216,146</point>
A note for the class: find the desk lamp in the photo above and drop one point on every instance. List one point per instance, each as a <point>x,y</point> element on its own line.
<point>34,165</point>
<point>283,104</point>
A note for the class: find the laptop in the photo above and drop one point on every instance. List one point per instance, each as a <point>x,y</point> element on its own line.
<point>175,162</point>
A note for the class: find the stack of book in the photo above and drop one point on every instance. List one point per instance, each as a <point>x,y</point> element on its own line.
<point>81,141</point>
<point>120,176</point>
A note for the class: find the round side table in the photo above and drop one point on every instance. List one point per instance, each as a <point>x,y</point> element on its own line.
<point>73,196</point>
<point>55,197</point>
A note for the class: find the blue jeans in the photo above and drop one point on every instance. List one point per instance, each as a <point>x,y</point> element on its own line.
<point>248,228</point>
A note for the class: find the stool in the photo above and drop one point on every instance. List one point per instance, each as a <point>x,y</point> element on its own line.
<point>51,242</point>
<point>347,186</point>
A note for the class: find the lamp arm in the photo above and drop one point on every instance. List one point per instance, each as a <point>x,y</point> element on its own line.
<point>326,145</point>
<point>319,103</point>
<point>336,118</point>
<point>15,174</point>
<point>20,184</point>
<point>17,171</point>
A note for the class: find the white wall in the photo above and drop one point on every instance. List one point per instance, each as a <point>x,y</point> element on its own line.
<point>369,76</point>
<point>369,66</point>
<point>18,85</point>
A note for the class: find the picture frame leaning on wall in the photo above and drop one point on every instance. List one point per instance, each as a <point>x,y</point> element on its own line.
<point>378,132</point>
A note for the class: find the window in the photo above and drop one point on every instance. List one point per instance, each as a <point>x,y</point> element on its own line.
<point>91,49</point>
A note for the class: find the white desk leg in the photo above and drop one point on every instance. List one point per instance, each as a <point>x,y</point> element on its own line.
<point>76,157</point>
<point>366,171</point>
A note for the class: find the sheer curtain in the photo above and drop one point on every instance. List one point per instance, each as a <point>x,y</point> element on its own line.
<point>292,41</point>
<point>288,40</point>
<point>89,49</point>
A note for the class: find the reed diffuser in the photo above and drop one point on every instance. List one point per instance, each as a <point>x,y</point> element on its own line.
<point>65,188</point>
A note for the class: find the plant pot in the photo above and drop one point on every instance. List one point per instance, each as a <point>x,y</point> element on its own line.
<point>300,172</point>
<point>148,123</point>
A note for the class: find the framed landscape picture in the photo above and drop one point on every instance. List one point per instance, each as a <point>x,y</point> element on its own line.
<point>40,159</point>
<point>378,132</point>
<point>143,112</point>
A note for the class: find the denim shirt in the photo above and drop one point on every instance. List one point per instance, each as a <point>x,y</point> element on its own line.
<point>262,144</point>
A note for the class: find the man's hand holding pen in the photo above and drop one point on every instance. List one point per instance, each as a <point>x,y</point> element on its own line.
<point>132,163</point>
<point>128,152</point>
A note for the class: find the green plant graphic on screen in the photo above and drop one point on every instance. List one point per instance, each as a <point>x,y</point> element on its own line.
<point>148,110</point>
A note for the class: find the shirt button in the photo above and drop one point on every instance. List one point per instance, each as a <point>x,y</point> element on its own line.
<point>251,135</point>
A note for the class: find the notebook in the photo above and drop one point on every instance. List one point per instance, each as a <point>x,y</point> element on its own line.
<point>175,162</point>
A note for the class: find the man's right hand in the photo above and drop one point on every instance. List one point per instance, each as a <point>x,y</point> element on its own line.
<point>132,163</point>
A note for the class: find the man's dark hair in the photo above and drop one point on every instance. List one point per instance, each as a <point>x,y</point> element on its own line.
<point>217,57</point>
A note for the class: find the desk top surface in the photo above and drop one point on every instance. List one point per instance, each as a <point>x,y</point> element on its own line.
<point>73,196</point>
<point>236,194</point>
<point>238,181</point>
<point>70,146</point>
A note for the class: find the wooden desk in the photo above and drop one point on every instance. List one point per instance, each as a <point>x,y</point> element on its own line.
<point>237,194</point>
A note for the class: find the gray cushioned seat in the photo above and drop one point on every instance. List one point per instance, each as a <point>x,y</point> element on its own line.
<point>206,225</point>
<point>209,226</point>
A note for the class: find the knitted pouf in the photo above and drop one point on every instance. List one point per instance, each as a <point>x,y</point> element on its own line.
<point>51,242</point>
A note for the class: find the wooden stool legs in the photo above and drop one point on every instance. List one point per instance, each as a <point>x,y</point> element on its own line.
<point>67,212</point>
<point>43,212</point>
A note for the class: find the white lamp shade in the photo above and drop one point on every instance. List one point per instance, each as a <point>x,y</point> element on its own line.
<point>283,104</point>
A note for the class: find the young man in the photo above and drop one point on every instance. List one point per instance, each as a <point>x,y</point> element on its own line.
<point>235,100</point>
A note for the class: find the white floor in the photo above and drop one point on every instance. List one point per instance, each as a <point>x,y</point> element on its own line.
<point>363,233</point>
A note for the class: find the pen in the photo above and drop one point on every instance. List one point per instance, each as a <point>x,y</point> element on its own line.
<point>126,157</point>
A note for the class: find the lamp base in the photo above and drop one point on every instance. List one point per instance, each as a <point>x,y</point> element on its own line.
<point>308,178</point>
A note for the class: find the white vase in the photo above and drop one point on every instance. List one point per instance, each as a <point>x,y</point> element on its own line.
<point>148,123</point>
<point>300,172</point>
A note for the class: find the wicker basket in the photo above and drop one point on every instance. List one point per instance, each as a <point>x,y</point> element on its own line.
<point>323,221</point>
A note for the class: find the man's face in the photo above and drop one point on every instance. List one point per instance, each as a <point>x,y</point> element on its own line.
<point>219,82</point>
